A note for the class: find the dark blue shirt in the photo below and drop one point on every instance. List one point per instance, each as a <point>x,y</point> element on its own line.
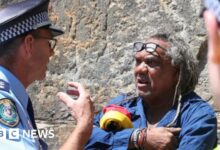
<point>197,120</point>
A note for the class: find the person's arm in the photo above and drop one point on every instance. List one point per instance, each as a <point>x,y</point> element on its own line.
<point>213,54</point>
<point>83,111</point>
<point>78,138</point>
<point>199,128</point>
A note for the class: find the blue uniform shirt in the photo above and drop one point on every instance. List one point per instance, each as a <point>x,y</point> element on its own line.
<point>197,120</point>
<point>14,96</point>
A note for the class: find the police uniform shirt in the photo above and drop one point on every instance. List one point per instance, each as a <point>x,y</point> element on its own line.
<point>14,120</point>
<point>18,19</point>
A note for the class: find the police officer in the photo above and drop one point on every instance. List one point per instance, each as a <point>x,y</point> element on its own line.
<point>26,44</point>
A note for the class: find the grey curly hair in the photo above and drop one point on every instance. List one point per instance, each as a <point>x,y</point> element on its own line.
<point>183,59</point>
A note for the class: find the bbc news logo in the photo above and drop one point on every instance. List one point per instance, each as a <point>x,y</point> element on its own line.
<point>16,134</point>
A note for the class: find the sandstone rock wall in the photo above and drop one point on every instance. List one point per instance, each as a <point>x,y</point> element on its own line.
<point>97,50</point>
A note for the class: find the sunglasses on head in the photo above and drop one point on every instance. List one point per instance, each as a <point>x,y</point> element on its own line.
<point>149,47</point>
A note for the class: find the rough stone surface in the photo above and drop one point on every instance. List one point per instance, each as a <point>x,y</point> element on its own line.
<point>97,51</point>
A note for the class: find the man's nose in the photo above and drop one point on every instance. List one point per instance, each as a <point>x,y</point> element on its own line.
<point>142,67</point>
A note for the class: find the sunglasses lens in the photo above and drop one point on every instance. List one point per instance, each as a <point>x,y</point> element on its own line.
<point>138,46</point>
<point>151,47</point>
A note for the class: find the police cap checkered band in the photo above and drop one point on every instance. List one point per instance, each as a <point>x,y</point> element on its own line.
<point>20,18</point>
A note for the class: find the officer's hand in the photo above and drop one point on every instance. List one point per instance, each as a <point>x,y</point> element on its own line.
<point>81,109</point>
<point>161,138</point>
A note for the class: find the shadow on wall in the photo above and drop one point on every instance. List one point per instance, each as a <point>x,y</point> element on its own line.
<point>202,56</point>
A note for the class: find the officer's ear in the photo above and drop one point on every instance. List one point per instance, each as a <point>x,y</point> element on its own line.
<point>28,45</point>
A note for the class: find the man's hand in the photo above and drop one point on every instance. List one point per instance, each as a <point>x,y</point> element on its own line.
<point>82,110</point>
<point>161,138</point>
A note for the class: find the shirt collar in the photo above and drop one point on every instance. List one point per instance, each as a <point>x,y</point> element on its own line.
<point>166,119</point>
<point>15,85</point>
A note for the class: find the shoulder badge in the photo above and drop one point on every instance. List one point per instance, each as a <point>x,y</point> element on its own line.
<point>8,113</point>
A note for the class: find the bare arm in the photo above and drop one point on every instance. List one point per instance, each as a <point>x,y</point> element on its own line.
<point>83,111</point>
<point>213,54</point>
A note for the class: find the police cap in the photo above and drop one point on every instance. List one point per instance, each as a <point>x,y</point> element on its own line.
<point>20,18</point>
